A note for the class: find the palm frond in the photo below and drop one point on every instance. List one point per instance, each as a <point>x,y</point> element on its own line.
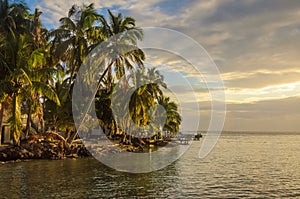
<point>46,90</point>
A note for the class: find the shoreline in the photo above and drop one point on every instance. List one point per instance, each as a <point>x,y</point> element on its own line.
<point>51,146</point>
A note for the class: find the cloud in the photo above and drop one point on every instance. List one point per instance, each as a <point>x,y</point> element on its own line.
<point>254,43</point>
<point>266,93</point>
<point>268,115</point>
<point>240,35</point>
<point>260,79</point>
<point>55,9</point>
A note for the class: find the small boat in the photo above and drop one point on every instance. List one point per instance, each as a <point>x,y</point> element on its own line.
<point>198,136</point>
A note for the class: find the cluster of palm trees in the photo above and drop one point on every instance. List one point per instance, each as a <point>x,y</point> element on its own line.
<point>25,76</point>
<point>38,68</point>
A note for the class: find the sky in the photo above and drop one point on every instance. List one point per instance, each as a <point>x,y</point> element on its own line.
<point>255,45</point>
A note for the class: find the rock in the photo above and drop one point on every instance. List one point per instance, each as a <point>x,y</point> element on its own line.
<point>72,155</point>
<point>43,146</point>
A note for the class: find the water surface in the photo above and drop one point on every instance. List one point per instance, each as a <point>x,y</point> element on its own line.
<point>241,165</point>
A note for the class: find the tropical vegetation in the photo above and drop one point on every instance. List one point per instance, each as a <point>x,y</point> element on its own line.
<point>39,67</point>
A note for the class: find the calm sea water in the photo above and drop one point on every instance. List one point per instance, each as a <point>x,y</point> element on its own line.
<point>240,166</point>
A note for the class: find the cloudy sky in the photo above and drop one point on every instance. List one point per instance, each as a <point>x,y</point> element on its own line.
<point>254,43</point>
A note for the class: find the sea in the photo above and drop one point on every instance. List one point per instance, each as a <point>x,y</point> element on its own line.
<point>241,165</point>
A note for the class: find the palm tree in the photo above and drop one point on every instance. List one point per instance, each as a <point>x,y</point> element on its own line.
<point>132,105</point>
<point>120,35</point>
<point>60,117</point>
<point>148,88</point>
<point>173,119</point>
<point>72,42</point>
<point>12,22</point>
<point>23,59</point>
<point>121,60</point>
<point>26,77</point>
<point>13,18</point>
<point>76,36</point>
<point>7,23</point>
<point>104,111</point>
<point>4,85</point>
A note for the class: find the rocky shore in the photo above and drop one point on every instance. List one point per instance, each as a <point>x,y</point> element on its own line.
<point>53,146</point>
<point>43,146</point>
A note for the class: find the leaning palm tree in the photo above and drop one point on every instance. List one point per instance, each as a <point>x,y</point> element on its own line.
<point>121,36</point>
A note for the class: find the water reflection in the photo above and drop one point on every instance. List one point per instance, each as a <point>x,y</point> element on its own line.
<point>80,178</point>
<point>240,166</point>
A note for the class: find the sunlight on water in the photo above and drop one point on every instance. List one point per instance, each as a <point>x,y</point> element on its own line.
<point>245,165</point>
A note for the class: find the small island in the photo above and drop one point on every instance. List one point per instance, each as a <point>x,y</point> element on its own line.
<point>39,68</point>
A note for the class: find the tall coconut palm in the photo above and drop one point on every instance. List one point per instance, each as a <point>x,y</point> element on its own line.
<point>4,87</point>
<point>22,60</point>
<point>45,65</point>
<point>12,22</point>
<point>74,39</point>
<point>122,59</point>
<point>121,35</point>
<point>27,81</point>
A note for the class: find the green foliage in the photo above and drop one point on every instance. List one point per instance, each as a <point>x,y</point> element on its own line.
<point>144,91</point>
<point>173,119</point>
<point>23,59</point>
<point>38,68</point>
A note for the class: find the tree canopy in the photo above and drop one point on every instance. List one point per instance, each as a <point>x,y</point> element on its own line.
<point>38,68</point>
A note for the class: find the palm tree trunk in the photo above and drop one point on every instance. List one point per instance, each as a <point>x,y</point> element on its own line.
<point>1,120</point>
<point>15,120</point>
<point>109,79</point>
<point>41,117</point>
<point>1,115</point>
<point>35,127</point>
<point>28,123</point>
<point>91,101</point>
